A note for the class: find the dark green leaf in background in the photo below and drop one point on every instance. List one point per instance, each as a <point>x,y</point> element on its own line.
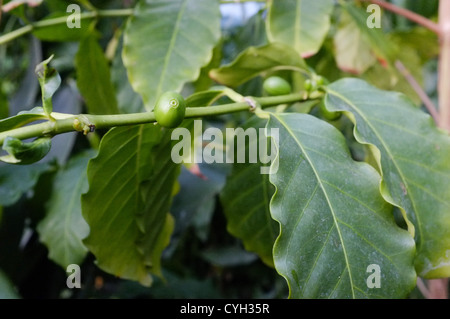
<point>195,202</point>
<point>24,153</point>
<point>4,104</point>
<point>128,101</point>
<point>93,77</point>
<point>22,118</point>
<point>131,185</point>
<point>384,50</point>
<point>153,220</point>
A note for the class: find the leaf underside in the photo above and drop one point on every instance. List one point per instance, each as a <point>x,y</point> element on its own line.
<point>256,61</point>
<point>179,38</point>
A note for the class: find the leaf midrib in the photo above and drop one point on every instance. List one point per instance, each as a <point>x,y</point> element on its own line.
<point>291,133</point>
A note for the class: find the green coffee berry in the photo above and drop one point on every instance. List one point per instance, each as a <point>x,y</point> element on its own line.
<point>170,109</point>
<point>276,85</point>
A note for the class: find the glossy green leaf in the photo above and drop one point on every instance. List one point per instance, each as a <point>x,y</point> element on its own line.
<point>49,81</point>
<point>166,43</point>
<point>301,24</point>
<point>256,61</point>
<point>22,118</point>
<point>228,256</point>
<point>93,78</point>
<point>413,156</point>
<point>245,200</point>
<point>63,228</point>
<point>24,153</point>
<point>335,225</point>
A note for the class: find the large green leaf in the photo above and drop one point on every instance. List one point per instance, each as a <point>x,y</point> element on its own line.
<point>128,101</point>
<point>16,180</point>
<point>301,24</point>
<point>167,42</point>
<point>63,228</point>
<point>413,156</point>
<point>93,77</point>
<point>114,199</point>
<point>245,200</point>
<point>255,61</point>
<point>7,289</point>
<point>334,223</point>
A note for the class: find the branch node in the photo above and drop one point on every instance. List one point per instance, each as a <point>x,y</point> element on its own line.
<point>252,103</point>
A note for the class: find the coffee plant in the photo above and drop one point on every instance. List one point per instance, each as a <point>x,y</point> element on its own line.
<point>119,177</point>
